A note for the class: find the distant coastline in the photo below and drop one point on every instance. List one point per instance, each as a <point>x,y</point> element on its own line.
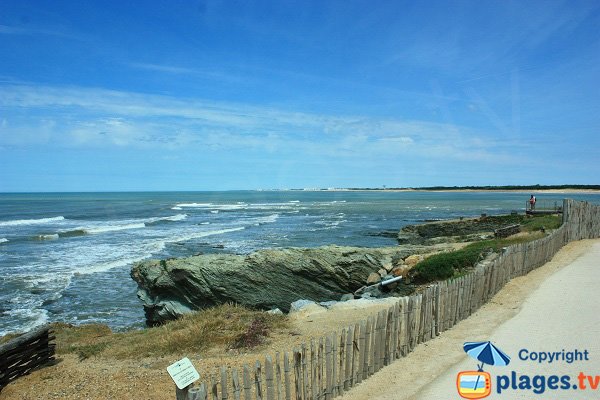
<point>592,189</point>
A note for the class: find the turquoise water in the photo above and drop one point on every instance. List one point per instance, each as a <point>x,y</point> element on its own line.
<point>67,256</point>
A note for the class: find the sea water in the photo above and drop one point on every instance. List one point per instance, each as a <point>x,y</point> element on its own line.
<point>67,256</point>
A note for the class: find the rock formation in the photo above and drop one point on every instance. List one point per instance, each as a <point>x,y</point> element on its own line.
<point>266,279</point>
<point>464,230</point>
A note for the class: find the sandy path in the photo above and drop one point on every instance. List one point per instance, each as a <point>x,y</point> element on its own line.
<point>551,309</point>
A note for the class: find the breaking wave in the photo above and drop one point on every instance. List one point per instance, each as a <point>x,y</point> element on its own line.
<point>18,222</point>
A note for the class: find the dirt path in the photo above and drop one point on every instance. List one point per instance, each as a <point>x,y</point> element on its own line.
<point>549,310</point>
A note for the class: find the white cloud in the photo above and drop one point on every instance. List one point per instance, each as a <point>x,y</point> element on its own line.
<point>74,116</point>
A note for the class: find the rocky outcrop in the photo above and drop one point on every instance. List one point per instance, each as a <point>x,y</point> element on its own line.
<point>266,279</point>
<point>464,230</point>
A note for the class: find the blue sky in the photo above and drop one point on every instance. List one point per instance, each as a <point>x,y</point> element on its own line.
<point>218,95</point>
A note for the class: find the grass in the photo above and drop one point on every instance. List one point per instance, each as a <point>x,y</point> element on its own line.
<point>226,326</point>
<point>448,265</point>
<point>538,222</point>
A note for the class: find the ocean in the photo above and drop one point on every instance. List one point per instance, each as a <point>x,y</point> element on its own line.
<point>67,256</point>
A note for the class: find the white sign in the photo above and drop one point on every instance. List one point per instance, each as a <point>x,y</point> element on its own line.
<point>183,373</point>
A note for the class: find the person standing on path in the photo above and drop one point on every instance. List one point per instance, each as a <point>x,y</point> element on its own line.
<point>532,201</point>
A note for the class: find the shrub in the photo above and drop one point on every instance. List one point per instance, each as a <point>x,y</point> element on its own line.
<point>447,265</point>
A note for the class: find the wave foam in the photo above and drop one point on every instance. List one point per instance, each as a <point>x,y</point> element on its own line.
<point>147,250</point>
<point>205,234</point>
<point>34,318</point>
<point>212,206</point>
<point>172,218</point>
<point>100,229</point>
<point>194,205</point>
<point>18,222</point>
<point>266,220</point>
<point>3,240</point>
<point>124,225</point>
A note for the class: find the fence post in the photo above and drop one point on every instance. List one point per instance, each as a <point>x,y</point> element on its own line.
<point>278,382</point>
<point>247,383</point>
<point>334,368</point>
<point>214,387</point>
<point>235,381</point>
<point>320,368</point>
<point>349,354</point>
<point>286,376</point>
<point>342,350</point>
<point>269,378</point>
<point>328,369</point>
<point>258,380</point>
<point>313,370</point>
<point>298,374</point>
<point>305,388</point>
<point>224,383</point>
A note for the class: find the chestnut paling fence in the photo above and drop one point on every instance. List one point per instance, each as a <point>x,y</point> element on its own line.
<point>24,353</point>
<point>329,366</point>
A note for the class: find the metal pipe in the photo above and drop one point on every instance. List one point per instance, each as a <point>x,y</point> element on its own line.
<point>396,279</point>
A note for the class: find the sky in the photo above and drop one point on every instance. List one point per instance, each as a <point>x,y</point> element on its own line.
<point>225,95</point>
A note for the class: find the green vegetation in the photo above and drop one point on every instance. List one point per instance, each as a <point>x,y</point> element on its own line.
<point>447,265</point>
<point>514,187</point>
<point>502,187</point>
<point>541,221</point>
<point>225,327</point>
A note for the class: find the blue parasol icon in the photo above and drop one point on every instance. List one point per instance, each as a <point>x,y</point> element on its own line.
<point>487,353</point>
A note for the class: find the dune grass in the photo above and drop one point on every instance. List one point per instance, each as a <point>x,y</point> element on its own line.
<point>226,326</point>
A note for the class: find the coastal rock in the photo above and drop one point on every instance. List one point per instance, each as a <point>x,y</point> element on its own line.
<point>401,270</point>
<point>413,260</point>
<point>265,279</point>
<point>298,305</point>
<point>307,309</point>
<point>347,297</point>
<point>463,230</point>
<point>328,304</point>
<point>374,277</point>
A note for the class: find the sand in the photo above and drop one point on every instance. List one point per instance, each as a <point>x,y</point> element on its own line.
<point>427,373</point>
<point>551,309</point>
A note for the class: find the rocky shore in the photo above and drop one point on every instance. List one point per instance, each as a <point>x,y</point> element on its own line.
<point>274,278</point>
<point>266,279</point>
<point>461,230</point>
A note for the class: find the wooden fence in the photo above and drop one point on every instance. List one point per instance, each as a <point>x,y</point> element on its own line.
<point>327,367</point>
<point>24,353</point>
